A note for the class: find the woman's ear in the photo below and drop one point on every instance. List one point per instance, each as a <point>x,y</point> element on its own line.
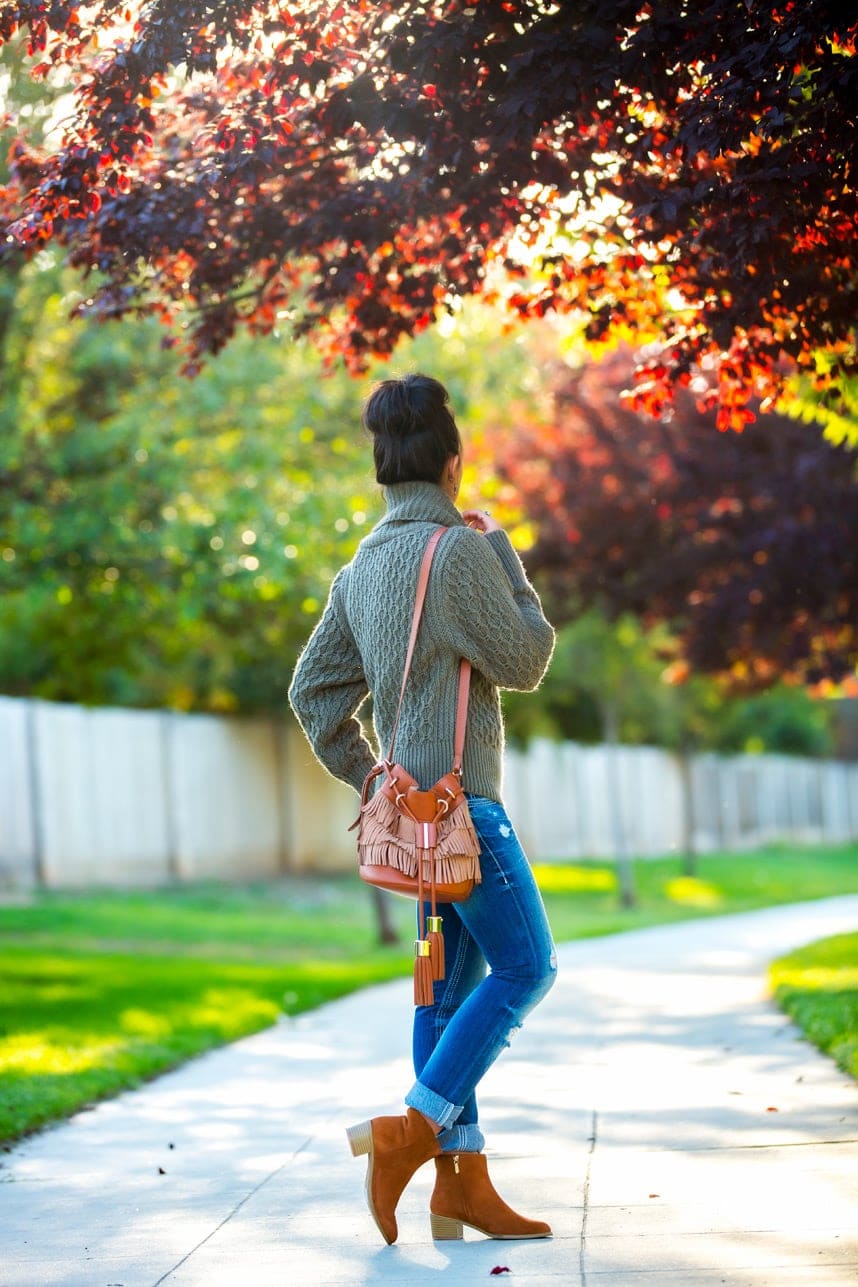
<point>452,476</point>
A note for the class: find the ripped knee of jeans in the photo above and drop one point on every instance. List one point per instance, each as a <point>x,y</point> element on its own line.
<point>550,975</point>
<point>511,1032</point>
<point>544,982</point>
<point>533,978</point>
<point>545,975</point>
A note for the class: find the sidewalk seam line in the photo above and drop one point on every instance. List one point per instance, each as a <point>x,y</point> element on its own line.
<point>234,1211</point>
<point>586,1201</point>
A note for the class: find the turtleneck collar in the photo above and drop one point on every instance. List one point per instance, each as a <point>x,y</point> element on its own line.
<point>419,503</point>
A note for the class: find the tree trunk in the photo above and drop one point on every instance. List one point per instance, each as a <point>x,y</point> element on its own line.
<point>625,866</point>
<point>384,922</point>
<point>689,852</point>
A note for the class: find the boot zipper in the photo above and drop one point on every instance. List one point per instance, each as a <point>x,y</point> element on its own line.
<point>456,1163</point>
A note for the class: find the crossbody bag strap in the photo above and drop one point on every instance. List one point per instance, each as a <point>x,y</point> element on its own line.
<point>461,715</point>
<point>419,600</point>
<point>464,666</point>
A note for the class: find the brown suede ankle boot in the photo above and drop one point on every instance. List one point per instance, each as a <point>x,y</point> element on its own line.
<point>464,1194</point>
<point>397,1146</point>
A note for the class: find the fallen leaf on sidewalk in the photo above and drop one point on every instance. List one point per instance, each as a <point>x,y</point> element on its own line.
<point>500,1269</point>
<point>771,1109</point>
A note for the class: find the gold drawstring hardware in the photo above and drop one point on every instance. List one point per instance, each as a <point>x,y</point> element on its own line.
<point>424,993</point>
<point>435,934</point>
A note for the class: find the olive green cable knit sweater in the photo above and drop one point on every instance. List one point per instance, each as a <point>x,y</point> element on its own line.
<point>479,605</point>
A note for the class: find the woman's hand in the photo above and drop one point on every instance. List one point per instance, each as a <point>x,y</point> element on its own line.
<point>481,521</point>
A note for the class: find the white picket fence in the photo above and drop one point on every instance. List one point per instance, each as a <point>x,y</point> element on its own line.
<point>128,797</point>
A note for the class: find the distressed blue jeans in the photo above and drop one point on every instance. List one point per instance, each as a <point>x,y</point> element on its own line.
<point>502,926</point>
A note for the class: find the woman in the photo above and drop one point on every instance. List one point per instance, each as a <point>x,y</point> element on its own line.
<point>479,606</point>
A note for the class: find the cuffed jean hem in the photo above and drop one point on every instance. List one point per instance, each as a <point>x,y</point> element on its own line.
<point>438,1110</point>
<point>462,1139</point>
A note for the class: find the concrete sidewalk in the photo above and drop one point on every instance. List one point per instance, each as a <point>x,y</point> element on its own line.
<point>673,1127</point>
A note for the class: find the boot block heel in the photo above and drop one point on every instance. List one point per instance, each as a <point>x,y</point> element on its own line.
<point>360,1138</point>
<point>444,1229</point>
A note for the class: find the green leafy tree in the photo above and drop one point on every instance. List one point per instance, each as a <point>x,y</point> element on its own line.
<point>166,542</point>
<point>171,542</point>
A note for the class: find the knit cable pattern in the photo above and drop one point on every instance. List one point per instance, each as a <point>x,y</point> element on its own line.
<point>480,605</point>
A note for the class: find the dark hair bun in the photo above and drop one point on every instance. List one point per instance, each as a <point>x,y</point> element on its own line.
<point>413,429</point>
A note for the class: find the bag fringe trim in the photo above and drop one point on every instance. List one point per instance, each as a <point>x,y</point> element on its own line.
<point>386,838</point>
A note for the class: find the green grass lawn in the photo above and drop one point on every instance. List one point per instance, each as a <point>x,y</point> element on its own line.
<point>818,988</point>
<point>101,990</point>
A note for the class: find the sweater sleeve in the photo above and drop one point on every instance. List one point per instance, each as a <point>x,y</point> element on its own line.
<point>491,612</point>
<point>326,690</point>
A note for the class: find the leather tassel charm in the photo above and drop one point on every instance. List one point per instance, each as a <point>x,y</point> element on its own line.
<point>424,993</point>
<point>436,946</point>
